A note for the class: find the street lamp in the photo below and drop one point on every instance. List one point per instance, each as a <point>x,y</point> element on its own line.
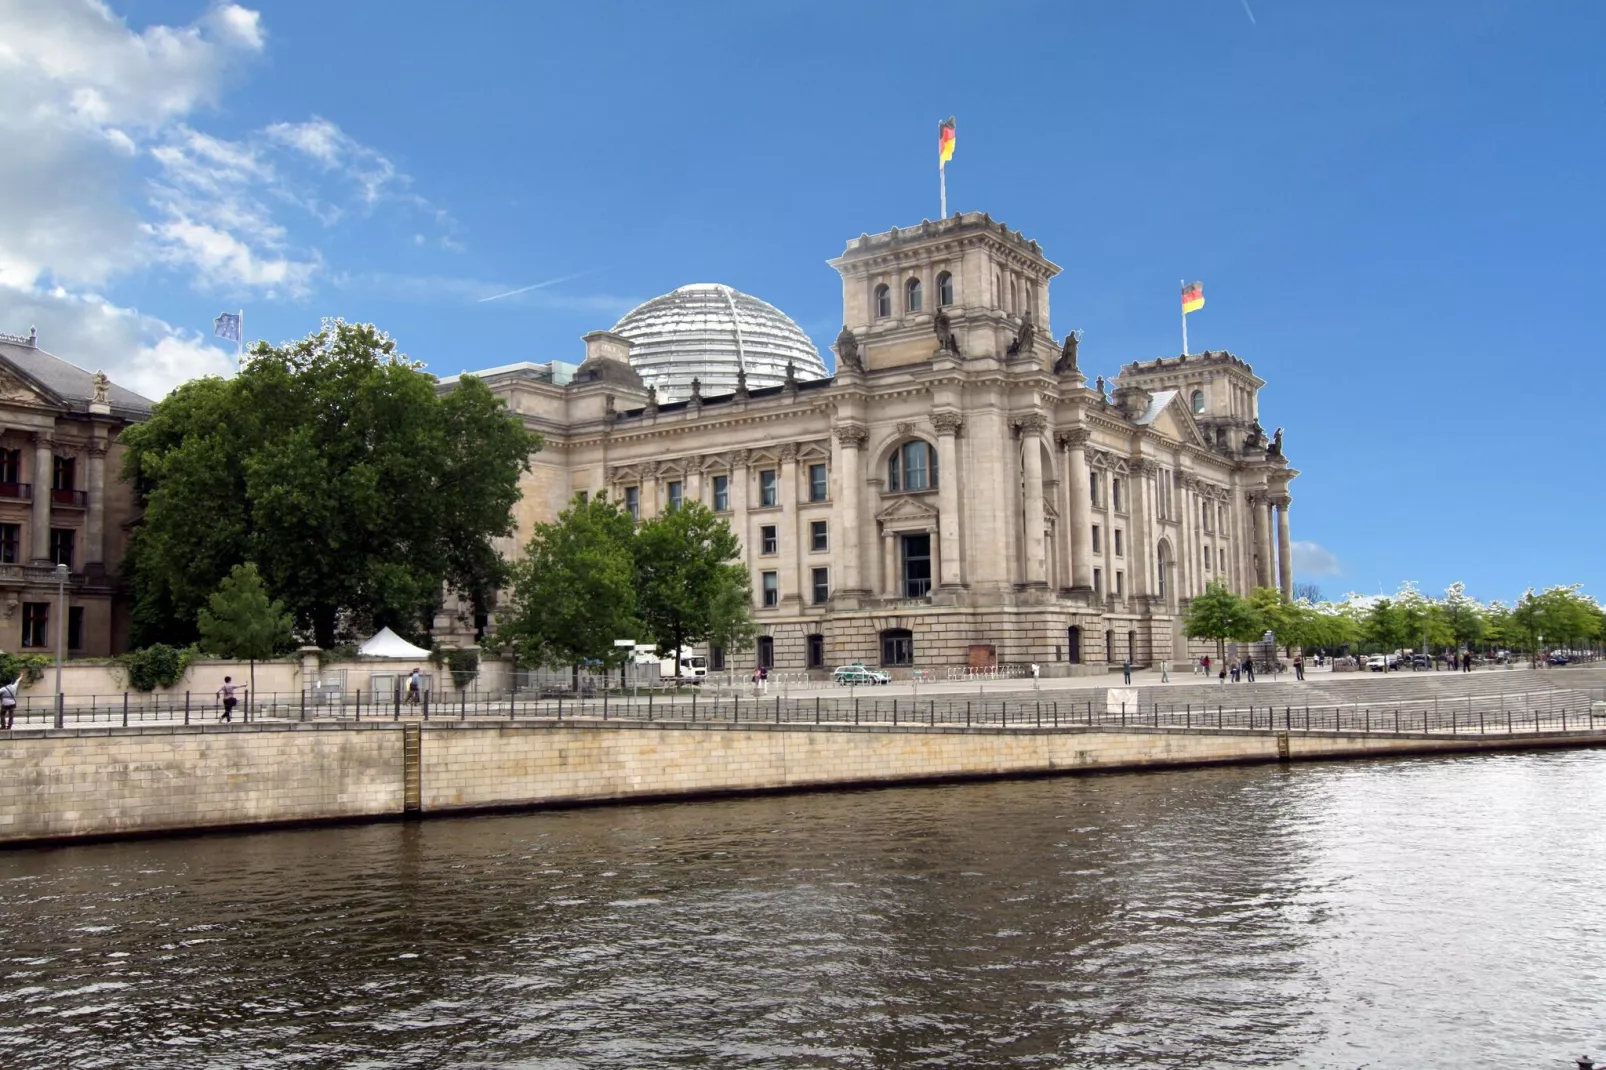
<point>62,571</point>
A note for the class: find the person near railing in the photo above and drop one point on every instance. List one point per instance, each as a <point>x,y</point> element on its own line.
<point>8,703</point>
<point>226,694</point>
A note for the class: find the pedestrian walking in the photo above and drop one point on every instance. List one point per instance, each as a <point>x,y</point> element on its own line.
<point>415,686</point>
<point>1236,668</point>
<point>1207,664</point>
<point>1126,671</point>
<point>1165,672</point>
<point>1249,669</point>
<point>763,680</point>
<point>1466,662</point>
<point>8,703</point>
<point>1299,666</point>
<point>226,694</point>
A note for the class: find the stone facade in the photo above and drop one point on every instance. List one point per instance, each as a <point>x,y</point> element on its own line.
<point>957,494</point>
<point>61,500</point>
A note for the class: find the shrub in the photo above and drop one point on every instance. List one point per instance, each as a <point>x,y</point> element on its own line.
<point>465,665</point>
<point>30,668</point>
<point>157,665</point>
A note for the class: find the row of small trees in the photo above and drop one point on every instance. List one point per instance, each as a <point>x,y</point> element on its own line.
<point>595,576</point>
<point>1560,617</point>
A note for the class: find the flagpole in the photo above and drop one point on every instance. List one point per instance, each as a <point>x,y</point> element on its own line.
<point>1184,285</point>
<point>942,184</point>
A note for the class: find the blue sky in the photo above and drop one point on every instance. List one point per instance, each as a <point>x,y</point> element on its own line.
<point>1394,207</point>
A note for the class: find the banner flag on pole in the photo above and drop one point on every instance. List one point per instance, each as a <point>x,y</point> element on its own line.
<point>945,140</point>
<point>1192,297</point>
<point>227,326</point>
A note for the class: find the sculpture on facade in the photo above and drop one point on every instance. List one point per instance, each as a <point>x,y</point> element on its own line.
<point>944,328</point>
<point>1276,447</point>
<point>652,401</point>
<point>741,384</point>
<point>847,352</point>
<point>1098,384</point>
<point>697,390</point>
<point>1026,336</point>
<point>1067,362</point>
<point>1255,438</point>
<point>103,388</point>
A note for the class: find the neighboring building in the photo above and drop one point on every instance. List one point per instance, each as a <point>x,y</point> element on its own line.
<point>956,495</point>
<point>61,500</point>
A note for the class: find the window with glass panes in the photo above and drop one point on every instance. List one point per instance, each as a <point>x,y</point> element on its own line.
<point>822,586</point>
<point>676,494</point>
<point>722,494</point>
<point>818,488</point>
<point>819,540</point>
<point>36,624</point>
<point>772,589</point>
<point>768,490</point>
<point>768,539</point>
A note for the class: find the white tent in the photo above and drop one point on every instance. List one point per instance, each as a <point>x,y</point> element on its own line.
<point>387,644</point>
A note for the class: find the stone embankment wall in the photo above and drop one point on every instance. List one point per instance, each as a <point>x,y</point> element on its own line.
<point>69,784</point>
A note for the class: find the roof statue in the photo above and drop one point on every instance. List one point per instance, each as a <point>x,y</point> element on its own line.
<point>696,389</point>
<point>1098,384</point>
<point>944,328</point>
<point>103,389</point>
<point>741,382</point>
<point>652,401</point>
<point>847,352</point>
<point>1067,361</point>
<point>1024,339</point>
<point>1276,447</point>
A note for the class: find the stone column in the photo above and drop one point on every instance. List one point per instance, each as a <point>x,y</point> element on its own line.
<point>95,526</point>
<point>693,490</point>
<point>789,547</point>
<point>1285,556</point>
<point>1074,443</point>
<point>1031,427</point>
<point>849,471</point>
<point>1140,544</point>
<point>949,553</point>
<point>43,475</point>
<point>1186,560</point>
<point>890,587</point>
<point>1266,567</point>
<point>738,494</point>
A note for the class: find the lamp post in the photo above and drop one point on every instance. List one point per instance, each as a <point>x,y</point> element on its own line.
<point>62,572</point>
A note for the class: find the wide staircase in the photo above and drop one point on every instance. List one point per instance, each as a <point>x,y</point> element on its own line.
<point>1485,691</point>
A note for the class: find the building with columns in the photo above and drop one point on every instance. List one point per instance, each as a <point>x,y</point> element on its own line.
<point>61,501</point>
<point>957,493</point>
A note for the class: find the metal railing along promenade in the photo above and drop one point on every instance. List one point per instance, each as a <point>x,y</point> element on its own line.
<point>1555,710</point>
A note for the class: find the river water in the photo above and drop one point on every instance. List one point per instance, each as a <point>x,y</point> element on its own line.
<point>1426,913</point>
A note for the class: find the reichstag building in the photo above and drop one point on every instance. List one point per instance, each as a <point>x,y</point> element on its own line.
<point>956,494</point>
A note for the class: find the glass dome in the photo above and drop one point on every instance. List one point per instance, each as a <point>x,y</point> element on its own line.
<point>707,331</point>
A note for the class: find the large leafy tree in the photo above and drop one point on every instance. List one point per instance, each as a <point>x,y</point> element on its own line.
<point>1221,615</point>
<point>332,463</point>
<point>690,582</point>
<point>574,592</point>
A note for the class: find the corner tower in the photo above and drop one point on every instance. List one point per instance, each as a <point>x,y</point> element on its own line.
<point>1221,391</point>
<point>969,267</point>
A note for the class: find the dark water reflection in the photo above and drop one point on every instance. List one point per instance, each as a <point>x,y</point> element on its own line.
<point>1412,914</point>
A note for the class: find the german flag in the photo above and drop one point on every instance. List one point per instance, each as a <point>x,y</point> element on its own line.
<point>945,140</point>
<point>1193,297</point>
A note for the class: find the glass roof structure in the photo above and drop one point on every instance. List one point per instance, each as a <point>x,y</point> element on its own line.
<point>708,331</point>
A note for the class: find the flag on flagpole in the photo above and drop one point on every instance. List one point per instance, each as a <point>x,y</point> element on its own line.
<point>1192,297</point>
<point>227,326</point>
<point>945,140</point>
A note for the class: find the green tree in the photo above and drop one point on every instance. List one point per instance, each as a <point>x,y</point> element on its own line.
<point>1221,615</point>
<point>574,592</point>
<point>1383,627</point>
<point>241,621</point>
<point>1462,616</point>
<point>691,585</point>
<point>335,464</point>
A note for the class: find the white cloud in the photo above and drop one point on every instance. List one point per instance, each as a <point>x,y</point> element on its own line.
<point>144,353</point>
<point>1311,559</point>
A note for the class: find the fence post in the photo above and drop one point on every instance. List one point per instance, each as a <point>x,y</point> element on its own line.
<point>186,707</point>
<point>931,713</point>
<point>855,709</point>
<point>967,713</point>
<point>303,704</point>
<point>649,705</point>
<point>125,709</point>
<point>604,702</point>
<point>462,705</point>
<point>1039,714</point>
<point>560,707</point>
<point>359,703</point>
<point>1123,713</point>
<point>396,697</point>
<point>816,709</point>
<point>777,709</point>
<point>426,704</point>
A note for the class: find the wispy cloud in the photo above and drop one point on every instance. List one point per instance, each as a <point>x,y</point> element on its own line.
<point>1312,559</point>
<point>1249,12</point>
<point>455,290</point>
<point>539,285</point>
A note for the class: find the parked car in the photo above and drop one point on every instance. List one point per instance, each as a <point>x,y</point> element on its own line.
<point>1559,659</point>
<point>1421,661</point>
<point>859,674</point>
<point>1383,662</point>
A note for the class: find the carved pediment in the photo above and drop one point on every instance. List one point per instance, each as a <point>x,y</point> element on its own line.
<point>15,389</point>
<point>908,513</point>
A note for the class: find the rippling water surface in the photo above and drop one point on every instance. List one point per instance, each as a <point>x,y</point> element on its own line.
<point>1432,913</point>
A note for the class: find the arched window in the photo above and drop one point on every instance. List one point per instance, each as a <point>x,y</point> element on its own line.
<point>897,647</point>
<point>911,295</point>
<point>1073,645</point>
<point>883,302</point>
<point>945,289</point>
<point>912,466</point>
<point>1197,401</point>
<point>1012,306</point>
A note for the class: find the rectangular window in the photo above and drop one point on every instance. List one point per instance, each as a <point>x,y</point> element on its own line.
<point>1206,556</point>
<point>769,492</point>
<point>822,586</point>
<point>1115,494</point>
<point>1098,583</point>
<point>64,474</point>
<point>10,543</point>
<point>818,540</point>
<point>1204,510</point>
<point>722,494</point>
<point>1120,550</point>
<point>1097,544</point>
<point>1221,515</point>
<point>10,467</point>
<point>36,624</point>
<point>1120,584</point>
<point>916,566</point>
<point>1223,560</point>
<point>716,657</point>
<point>897,647</point>
<point>772,589</point>
<point>1093,486</point>
<point>677,493</point>
<point>816,652</point>
<point>75,627</point>
<point>61,545</point>
<point>583,496</point>
<point>769,542</point>
<point>817,485</point>
<point>766,652</point>
<point>633,502</point>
